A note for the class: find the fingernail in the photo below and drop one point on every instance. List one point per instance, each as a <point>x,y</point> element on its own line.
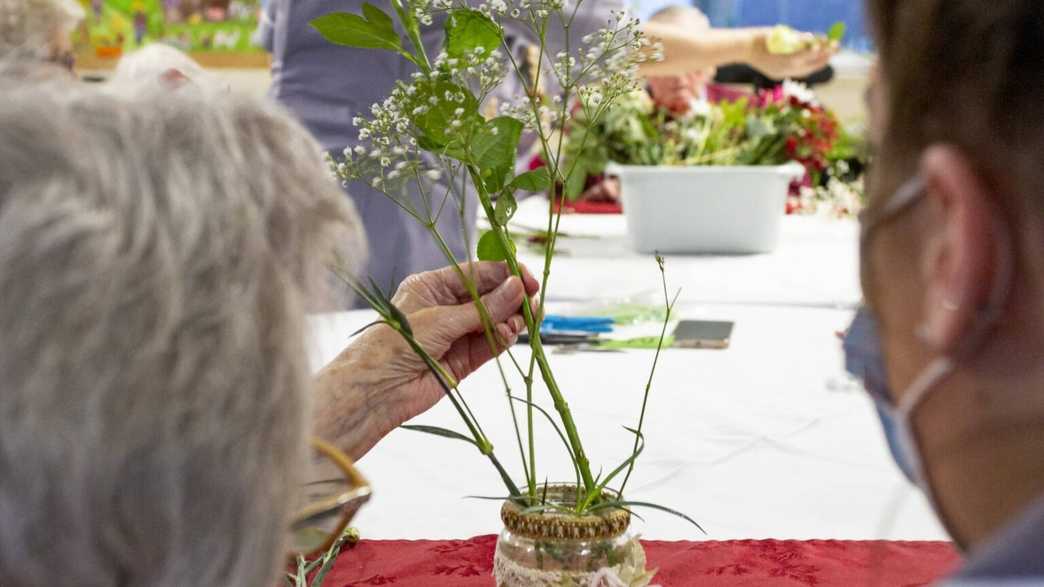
<point>517,324</point>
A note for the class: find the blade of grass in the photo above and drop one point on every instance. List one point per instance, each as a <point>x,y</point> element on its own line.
<point>645,504</point>
<point>600,488</point>
<point>652,373</point>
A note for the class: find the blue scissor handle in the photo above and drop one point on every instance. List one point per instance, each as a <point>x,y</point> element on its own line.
<point>578,323</point>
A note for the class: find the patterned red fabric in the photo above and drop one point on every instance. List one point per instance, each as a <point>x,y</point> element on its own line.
<point>590,207</point>
<point>815,563</point>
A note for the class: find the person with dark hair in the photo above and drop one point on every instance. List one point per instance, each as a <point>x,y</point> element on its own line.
<point>951,339</point>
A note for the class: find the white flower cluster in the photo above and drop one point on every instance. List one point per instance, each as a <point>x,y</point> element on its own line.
<point>388,154</point>
<point>793,89</point>
<point>424,10</point>
<point>526,9</point>
<point>609,62</point>
<point>478,71</point>
<point>837,199</point>
<point>602,69</point>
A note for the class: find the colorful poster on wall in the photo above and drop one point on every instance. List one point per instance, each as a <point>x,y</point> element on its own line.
<point>215,32</point>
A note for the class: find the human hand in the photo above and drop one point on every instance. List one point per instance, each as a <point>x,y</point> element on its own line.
<point>380,374</point>
<point>606,189</point>
<point>814,56</point>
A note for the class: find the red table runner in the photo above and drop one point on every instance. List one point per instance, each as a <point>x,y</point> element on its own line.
<point>816,563</point>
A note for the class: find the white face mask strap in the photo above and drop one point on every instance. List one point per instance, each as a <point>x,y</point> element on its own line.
<point>907,195</point>
<point>924,383</point>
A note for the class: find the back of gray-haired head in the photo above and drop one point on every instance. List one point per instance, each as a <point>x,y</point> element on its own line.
<point>29,28</point>
<point>154,259</point>
<point>160,67</point>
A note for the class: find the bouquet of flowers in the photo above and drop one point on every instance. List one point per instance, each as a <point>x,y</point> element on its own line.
<point>771,127</point>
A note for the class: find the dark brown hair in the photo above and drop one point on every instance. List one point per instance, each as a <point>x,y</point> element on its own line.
<point>968,73</point>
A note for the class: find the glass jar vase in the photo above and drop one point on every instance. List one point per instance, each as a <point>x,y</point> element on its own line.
<point>557,549</point>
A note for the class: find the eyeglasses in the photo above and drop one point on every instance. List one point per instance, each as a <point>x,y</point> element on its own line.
<point>332,494</point>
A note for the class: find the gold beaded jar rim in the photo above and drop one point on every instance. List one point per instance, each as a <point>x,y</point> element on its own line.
<point>602,525</point>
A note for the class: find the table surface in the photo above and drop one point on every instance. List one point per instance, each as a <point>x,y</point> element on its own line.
<point>767,439</point>
<point>814,266</point>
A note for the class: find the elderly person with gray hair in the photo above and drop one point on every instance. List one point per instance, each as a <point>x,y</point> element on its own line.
<point>38,30</point>
<point>156,262</point>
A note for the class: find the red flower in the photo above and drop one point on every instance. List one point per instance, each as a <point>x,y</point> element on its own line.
<point>793,205</point>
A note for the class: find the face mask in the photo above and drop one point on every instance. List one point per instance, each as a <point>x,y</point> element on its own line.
<point>865,361</point>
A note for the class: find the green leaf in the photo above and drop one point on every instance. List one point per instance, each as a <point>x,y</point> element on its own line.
<point>436,123</point>
<point>532,181</point>
<point>837,32</point>
<point>494,149</point>
<point>644,504</point>
<point>375,31</point>
<point>490,249</point>
<point>467,30</point>
<point>437,431</point>
<point>506,207</point>
<point>577,179</point>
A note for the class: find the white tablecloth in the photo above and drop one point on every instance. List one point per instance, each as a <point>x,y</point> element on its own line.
<point>763,440</point>
<point>815,265</point>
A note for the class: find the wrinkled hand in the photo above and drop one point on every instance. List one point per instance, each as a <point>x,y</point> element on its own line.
<point>796,65</point>
<point>447,324</point>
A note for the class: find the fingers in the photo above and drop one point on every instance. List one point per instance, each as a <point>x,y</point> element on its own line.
<point>445,325</point>
<point>503,302</point>
<point>445,287</point>
<point>531,283</point>
<point>471,352</point>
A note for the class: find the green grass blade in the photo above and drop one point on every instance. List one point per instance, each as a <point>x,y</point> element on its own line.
<point>648,505</point>
<point>592,496</point>
<point>438,431</point>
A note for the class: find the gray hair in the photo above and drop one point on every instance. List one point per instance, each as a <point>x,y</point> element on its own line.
<point>28,27</point>
<point>155,262</point>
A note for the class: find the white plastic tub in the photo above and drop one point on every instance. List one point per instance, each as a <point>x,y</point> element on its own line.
<point>705,210</point>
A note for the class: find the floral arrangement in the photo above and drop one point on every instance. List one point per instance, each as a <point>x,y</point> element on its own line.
<point>771,127</point>
<point>440,138</point>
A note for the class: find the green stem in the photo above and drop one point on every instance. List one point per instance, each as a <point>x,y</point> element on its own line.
<point>409,22</point>
<point>648,384</point>
<point>535,343</point>
<point>483,444</point>
<point>487,327</point>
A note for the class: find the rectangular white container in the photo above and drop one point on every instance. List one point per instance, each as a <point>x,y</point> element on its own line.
<point>705,210</point>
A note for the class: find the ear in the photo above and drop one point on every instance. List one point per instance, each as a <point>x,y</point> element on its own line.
<point>173,78</point>
<point>960,252</point>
